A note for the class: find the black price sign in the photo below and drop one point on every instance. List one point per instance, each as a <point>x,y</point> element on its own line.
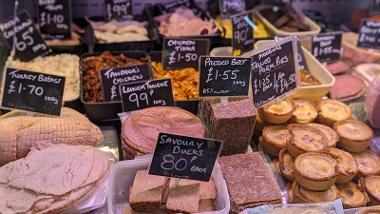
<point>242,40</point>
<point>113,77</point>
<point>32,91</point>
<point>300,55</point>
<point>224,76</point>
<point>28,42</point>
<point>230,7</point>
<point>184,157</point>
<point>145,94</point>
<point>327,46</point>
<point>274,72</point>
<point>118,9</point>
<point>55,18</point>
<point>170,6</point>
<point>183,53</point>
<point>374,6</point>
<point>369,34</point>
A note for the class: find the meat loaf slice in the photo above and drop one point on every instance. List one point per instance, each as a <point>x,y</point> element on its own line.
<point>183,199</point>
<point>145,194</point>
<point>372,103</point>
<point>233,123</point>
<point>338,67</point>
<point>347,87</point>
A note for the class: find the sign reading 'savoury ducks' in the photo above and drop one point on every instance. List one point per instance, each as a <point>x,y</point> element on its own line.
<point>369,34</point>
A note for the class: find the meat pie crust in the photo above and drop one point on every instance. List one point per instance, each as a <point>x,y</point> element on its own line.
<point>305,112</point>
<point>304,138</point>
<point>352,195</point>
<point>355,136</point>
<point>331,111</point>
<point>368,163</point>
<point>274,139</point>
<point>315,171</point>
<point>302,195</point>
<point>278,112</point>
<point>347,166</point>
<point>331,135</point>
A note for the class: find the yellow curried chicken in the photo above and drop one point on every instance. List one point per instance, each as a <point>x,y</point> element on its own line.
<point>20,131</point>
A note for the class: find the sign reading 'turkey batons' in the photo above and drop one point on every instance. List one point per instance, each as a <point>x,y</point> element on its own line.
<point>274,72</point>
<point>33,91</point>
<point>184,157</point>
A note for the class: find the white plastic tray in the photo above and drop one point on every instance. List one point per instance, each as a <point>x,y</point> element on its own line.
<point>123,174</point>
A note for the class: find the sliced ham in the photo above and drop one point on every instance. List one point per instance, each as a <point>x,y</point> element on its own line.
<point>347,87</point>
<point>372,103</point>
<point>338,67</point>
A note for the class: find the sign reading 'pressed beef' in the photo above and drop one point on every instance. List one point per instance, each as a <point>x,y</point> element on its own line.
<point>184,157</point>
<point>32,91</point>
<point>54,18</point>
<point>113,77</point>
<point>327,46</point>
<point>369,34</point>
<point>28,41</point>
<point>143,94</point>
<point>224,76</point>
<point>183,53</point>
<point>274,72</point>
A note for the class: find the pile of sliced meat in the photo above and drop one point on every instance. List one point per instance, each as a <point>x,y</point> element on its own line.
<point>51,179</point>
<point>347,87</point>
<point>19,132</point>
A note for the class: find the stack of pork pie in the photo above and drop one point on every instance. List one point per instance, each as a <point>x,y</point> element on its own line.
<point>302,137</point>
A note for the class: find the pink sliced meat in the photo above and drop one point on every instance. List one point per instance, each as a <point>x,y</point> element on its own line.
<point>347,87</point>
<point>338,67</point>
<point>372,103</point>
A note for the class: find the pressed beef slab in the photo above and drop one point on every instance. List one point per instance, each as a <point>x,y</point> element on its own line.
<point>250,182</point>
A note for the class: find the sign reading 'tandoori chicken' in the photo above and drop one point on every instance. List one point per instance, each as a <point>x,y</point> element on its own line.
<point>184,157</point>
<point>181,53</point>
<point>32,91</point>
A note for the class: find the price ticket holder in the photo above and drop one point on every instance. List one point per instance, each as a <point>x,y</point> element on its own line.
<point>275,72</point>
<point>369,34</point>
<point>327,47</point>
<point>183,157</point>
<point>242,31</point>
<point>224,77</point>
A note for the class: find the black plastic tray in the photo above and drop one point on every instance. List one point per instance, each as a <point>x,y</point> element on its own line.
<point>188,105</point>
<point>106,111</point>
<point>216,39</point>
<point>145,46</point>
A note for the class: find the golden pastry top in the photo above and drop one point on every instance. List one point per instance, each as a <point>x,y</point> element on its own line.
<point>307,138</point>
<point>372,185</point>
<point>331,135</point>
<point>353,130</point>
<point>276,134</point>
<point>330,194</point>
<point>352,195</point>
<point>282,107</point>
<point>368,162</point>
<point>286,162</point>
<point>305,112</point>
<point>334,110</point>
<point>316,165</point>
<point>346,163</point>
